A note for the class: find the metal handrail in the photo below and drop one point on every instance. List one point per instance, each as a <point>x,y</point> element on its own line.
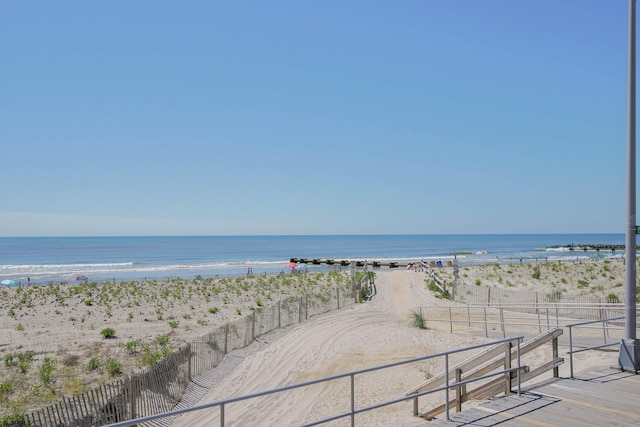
<point>221,403</point>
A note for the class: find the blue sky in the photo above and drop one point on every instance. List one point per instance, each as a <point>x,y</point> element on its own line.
<point>325,117</point>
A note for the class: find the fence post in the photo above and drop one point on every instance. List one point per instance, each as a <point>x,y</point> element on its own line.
<point>450,321</point>
<point>306,307</point>
<point>338,297</point>
<point>488,295</point>
<point>504,335</point>
<point>279,316</point>
<point>253,326</point>
<point>189,361</point>
<point>226,338</point>
<point>538,313</point>
<point>353,281</point>
<point>132,399</point>
<point>603,316</point>
<point>547,311</point>
<point>486,328</point>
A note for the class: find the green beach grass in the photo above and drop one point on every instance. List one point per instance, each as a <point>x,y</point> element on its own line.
<point>62,339</point>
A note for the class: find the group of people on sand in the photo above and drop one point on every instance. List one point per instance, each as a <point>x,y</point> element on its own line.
<point>416,266</point>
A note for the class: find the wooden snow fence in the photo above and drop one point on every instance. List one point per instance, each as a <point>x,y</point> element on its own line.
<point>156,389</point>
<point>471,377</point>
<point>160,387</point>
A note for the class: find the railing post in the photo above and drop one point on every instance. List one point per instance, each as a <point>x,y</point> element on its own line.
<point>458,390</point>
<point>222,415</point>
<point>570,352</point>
<point>519,367</point>
<point>504,334</point>
<point>415,406</point>
<point>554,346</point>
<point>353,401</point>
<point>507,366</point>
<point>446,388</point>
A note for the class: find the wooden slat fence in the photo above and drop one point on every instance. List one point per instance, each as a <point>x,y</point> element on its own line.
<point>160,387</point>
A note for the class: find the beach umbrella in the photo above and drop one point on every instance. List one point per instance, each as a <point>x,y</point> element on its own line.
<point>10,283</point>
<point>291,265</point>
<point>301,266</point>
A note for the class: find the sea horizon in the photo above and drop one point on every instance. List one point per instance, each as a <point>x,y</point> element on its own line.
<point>55,258</point>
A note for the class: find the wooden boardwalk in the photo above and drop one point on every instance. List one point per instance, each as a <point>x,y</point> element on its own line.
<point>603,397</point>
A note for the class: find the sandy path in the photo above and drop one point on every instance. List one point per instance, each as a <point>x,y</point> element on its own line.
<point>361,336</point>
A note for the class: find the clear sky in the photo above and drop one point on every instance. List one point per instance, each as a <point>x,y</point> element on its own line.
<point>312,117</point>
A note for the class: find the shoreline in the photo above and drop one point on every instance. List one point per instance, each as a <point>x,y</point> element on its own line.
<point>46,260</point>
<point>191,272</point>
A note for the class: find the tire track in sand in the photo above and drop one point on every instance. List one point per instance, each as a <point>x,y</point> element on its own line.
<point>353,338</point>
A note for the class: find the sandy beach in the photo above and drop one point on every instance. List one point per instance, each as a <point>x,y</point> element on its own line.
<point>68,330</point>
<point>358,337</point>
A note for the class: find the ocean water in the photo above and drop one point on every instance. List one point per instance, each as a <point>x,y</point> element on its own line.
<point>54,259</point>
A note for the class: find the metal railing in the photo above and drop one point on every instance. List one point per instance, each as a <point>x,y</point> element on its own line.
<point>605,332</point>
<point>518,316</point>
<point>351,375</point>
<point>538,316</point>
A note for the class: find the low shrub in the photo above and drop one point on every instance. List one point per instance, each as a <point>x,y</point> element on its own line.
<point>108,333</point>
<point>418,320</point>
<point>93,364</point>
<point>113,367</point>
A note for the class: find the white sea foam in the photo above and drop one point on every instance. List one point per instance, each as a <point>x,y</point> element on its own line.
<point>54,271</point>
<point>558,249</point>
<point>54,268</point>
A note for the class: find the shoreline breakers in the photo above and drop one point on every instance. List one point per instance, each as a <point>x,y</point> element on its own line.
<point>377,264</point>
